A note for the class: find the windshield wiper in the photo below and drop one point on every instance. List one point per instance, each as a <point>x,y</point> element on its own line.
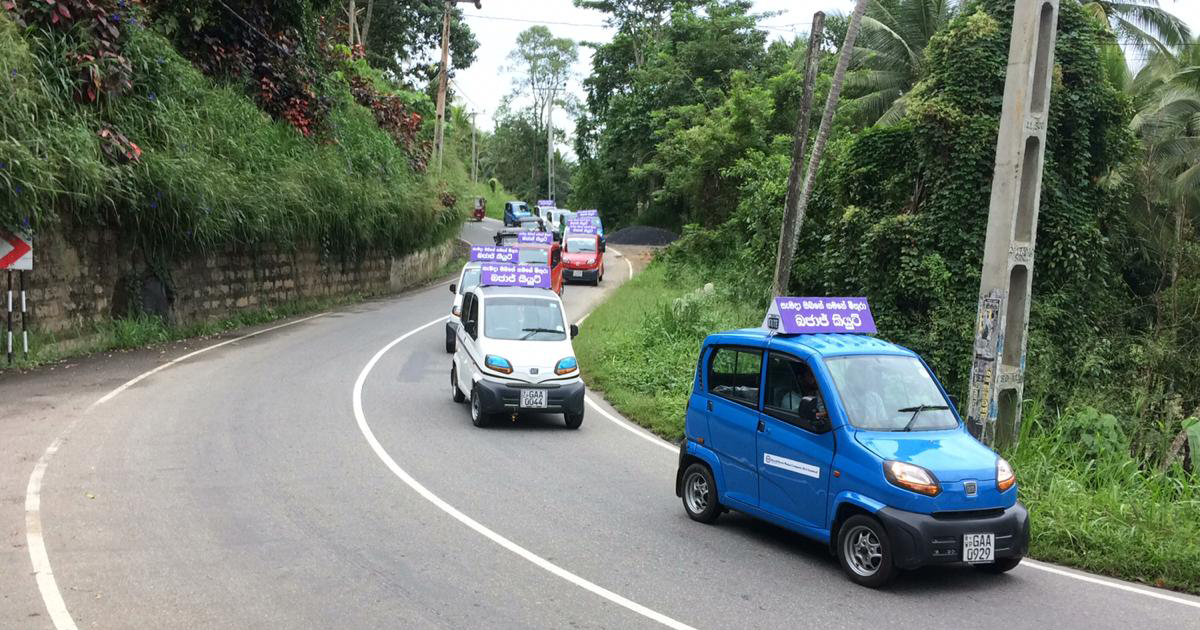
<point>916,411</point>
<point>534,331</point>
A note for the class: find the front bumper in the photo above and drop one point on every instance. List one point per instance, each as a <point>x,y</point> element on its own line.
<point>922,539</point>
<point>505,397</point>
<point>585,275</point>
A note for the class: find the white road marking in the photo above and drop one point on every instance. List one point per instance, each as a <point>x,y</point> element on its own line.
<point>47,585</point>
<point>479,528</point>
<point>632,428</point>
<point>629,264</point>
<point>1121,586</point>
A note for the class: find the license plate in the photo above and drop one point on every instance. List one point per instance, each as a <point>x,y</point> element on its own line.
<point>533,398</point>
<point>979,548</point>
<point>577,274</point>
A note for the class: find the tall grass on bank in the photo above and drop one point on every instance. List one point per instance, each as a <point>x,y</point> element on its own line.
<point>1092,506</point>
<point>215,171</point>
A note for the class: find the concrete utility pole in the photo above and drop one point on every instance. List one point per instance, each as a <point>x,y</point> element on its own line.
<point>998,368</point>
<point>440,124</point>
<point>550,147</point>
<point>787,236</point>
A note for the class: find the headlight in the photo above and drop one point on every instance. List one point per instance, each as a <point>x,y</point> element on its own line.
<point>1004,475</point>
<point>566,366</point>
<point>498,364</point>
<point>911,477</point>
<point>591,261</point>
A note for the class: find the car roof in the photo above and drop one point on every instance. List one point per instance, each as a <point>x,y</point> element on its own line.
<point>472,264</point>
<point>496,291</point>
<point>820,344</point>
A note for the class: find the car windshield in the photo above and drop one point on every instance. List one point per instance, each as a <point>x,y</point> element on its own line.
<point>581,245</point>
<point>890,393</point>
<point>470,280</point>
<point>533,256</point>
<point>532,319</point>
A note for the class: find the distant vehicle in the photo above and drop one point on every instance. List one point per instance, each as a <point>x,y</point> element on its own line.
<point>514,210</point>
<point>846,439</point>
<point>530,223</point>
<point>556,219</point>
<point>468,279</point>
<point>548,255</point>
<point>480,208</point>
<point>583,258</point>
<point>514,354</point>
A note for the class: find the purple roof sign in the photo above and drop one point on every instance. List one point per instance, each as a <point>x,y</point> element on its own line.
<point>490,253</point>
<point>539,238</point>
<point>545,203</point>
<point>498,275</point>
<point>581,226</point>
<point>802,315</point>
<point>588,213</point>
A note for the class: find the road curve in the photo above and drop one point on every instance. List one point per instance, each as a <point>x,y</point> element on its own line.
<point>239,489</point>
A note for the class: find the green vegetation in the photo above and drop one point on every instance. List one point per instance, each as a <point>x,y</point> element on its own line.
<point>1108,460</point>
<point>179,161</point>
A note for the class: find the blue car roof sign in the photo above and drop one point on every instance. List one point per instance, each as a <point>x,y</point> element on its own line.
<point>806,315</point>
<point>504,275</point>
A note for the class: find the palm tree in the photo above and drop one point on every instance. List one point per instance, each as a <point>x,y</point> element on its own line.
<point>1141,24</point>
<point>889,58</point>
<point>1166,95</point>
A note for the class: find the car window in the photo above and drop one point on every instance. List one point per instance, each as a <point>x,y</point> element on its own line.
<point>523,319</point>
<point>470,311</point>
<point>470,280</point>
<point>734,374</point>
<point>581,245</point>
<point>532,256</point>
<point>883,392</point>
<point>789,381</point>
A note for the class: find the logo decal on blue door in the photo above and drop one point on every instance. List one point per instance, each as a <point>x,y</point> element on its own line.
<point>807,470</point>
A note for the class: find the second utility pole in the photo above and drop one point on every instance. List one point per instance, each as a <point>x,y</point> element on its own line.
<point>787,231</point>
<point>440,124</point>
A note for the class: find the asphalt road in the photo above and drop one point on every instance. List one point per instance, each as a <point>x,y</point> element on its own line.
<point>307,478</point>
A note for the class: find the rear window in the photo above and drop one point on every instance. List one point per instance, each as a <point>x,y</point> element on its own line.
<point>734,373</point>
<point>533,256</point>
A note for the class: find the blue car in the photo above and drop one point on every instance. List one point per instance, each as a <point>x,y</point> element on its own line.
<point>849,440</point>
<point>514,211</point>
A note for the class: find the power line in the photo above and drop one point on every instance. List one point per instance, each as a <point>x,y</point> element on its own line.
<point>508,19</point>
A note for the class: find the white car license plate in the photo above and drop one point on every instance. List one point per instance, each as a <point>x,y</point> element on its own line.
<point>577,274</point>
<point>979,548</point>
<point>533,398</point>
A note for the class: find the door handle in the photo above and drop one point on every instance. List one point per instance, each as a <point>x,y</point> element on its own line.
<point>708,405</point>
<point>762,426</point>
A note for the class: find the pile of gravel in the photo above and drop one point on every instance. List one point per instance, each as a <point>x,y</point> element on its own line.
<point>641,235</point>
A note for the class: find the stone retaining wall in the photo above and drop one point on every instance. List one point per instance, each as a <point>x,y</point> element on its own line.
<point>85,277</point>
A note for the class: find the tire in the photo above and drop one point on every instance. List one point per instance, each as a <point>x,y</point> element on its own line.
<point>1003,565</point>
<point>865,551</point>
<point>700,499</point>
<point>450,342</point>
<point>573,420</point>
<point>478,417</point>
<point>596,281</point>
<point>455,393</point>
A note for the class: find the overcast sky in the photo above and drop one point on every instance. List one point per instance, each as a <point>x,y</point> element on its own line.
<point>496,26</point>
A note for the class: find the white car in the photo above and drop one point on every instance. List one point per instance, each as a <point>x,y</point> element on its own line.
<point>514,353</point>
<point>468,279</point>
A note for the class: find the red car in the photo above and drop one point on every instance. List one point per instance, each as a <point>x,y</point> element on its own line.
<point>583,257</point>
<point>548,255</point>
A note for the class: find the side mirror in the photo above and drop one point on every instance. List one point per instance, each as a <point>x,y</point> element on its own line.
<point>453,288</point>
<point>574,331</point>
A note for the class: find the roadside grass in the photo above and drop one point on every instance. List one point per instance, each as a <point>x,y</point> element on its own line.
<point>1096,510</point>
<point>640,347</point>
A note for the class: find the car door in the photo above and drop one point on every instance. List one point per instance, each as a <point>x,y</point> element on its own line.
<point>794,453</point>
<point>556,268</point>
<point>732,385</point>
<point>466,355</point>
